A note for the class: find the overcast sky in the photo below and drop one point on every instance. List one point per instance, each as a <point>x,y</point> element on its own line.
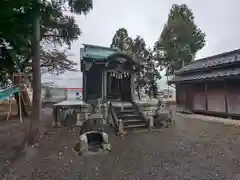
<point>218,19</point>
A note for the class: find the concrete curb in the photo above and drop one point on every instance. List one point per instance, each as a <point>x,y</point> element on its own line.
<point>211,119</point>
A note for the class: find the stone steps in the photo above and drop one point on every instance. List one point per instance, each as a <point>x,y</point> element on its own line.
<point>130,118</point>
<point>138,125</point>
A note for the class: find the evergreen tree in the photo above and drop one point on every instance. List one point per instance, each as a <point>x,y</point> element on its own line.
<point>180,39</point>
<point>137,48</point>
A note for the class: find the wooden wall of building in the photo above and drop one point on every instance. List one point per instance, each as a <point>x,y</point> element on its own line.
<point>210,98</point>
<point>184,97</point>
<point>93,85</point>
<point>233,97</point>
<point>216,97</point>
<point>198,98</point>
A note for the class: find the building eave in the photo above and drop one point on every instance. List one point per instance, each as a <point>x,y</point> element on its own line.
<point>210,76</point>
<point>216,61</point>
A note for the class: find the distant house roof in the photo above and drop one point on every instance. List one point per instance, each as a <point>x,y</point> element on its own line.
<point>212,62</point>
<point>222,66</point>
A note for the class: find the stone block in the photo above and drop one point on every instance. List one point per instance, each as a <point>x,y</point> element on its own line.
<point>120,127</point>
<point>86,116</point>
<point>149,102</point>
<point>58,124</point>
<point>106,147</point>
<point>78,117</point>
<point>145,113</point>
<point>83,143</point>
<point>149,108</point>
<point>79,123</point>
<point>105,105</point>
<point>54,124</point>
<point>105,137</point>
<point>150,122</point>
<point>151,113</point>
<point>95,116</point>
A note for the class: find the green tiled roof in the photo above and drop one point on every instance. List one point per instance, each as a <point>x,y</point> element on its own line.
<point>99,53</point>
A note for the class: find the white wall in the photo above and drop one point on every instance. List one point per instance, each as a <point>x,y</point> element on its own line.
<point>59,94</point>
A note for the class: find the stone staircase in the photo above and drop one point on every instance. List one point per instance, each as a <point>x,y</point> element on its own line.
<point>130,118</point>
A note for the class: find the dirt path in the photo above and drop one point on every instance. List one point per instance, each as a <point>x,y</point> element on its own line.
<point>191,149</point>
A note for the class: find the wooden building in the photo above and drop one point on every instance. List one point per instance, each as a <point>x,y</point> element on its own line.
<point>108,75</point>
<point>210,86</point>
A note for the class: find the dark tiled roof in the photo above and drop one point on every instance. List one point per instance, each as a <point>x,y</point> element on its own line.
<point>227,73</point>
<point>213,61</point>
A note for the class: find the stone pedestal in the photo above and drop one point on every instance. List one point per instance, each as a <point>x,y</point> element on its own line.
<point>105,144</point>
<point>120,127</point>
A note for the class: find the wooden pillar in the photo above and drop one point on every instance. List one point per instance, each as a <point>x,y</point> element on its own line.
<point>85,85</point>
<point>184,102</point>
<point>176,94</point>
<point>133,87</point>
<point>225,97</point>
<point>104,86</point>
<point>206,96</point>
<point>66,94</point>
<point>189,94</point>
<point>190,97</point>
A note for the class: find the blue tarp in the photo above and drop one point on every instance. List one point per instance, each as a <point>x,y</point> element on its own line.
<point>8,92</point>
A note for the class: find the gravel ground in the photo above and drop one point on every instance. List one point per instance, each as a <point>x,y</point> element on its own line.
<point>191,149</point>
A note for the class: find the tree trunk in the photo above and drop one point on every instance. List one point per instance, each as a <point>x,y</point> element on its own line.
<point>33,127</point>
